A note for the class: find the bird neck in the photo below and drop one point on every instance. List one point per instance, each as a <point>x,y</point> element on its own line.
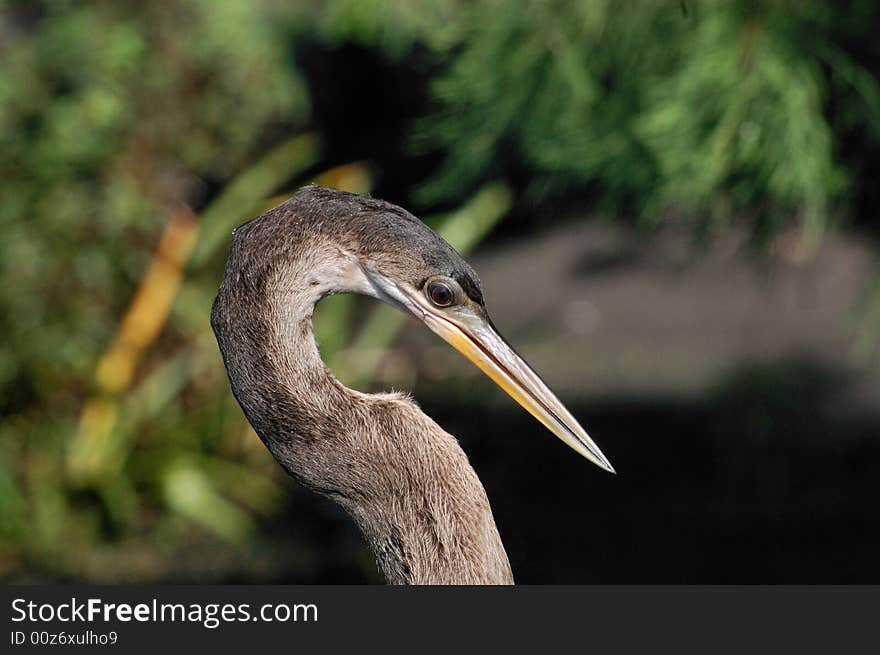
<point>405,481</point>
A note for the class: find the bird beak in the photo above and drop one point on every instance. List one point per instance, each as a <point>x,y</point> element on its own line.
<point>476,338</point>
<point>473,335</point>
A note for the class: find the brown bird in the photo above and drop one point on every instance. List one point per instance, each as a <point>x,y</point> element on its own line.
<point>405,481</point>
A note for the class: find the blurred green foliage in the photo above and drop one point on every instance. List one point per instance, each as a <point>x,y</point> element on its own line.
<point>715,107</point>
<point>114,114</point>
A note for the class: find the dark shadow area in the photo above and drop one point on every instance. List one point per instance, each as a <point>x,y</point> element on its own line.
<point>760,481</point>
<point>365,105</point>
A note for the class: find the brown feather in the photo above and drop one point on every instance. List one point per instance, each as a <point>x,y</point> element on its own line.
<point>405,481</point>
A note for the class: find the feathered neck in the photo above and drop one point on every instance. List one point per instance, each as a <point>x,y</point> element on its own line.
<point>404,480</point>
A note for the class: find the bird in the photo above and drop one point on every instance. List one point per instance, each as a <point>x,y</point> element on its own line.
<point>405,481</point>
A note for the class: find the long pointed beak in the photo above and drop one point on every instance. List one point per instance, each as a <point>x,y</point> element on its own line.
<point>473,335</point>
<point>477,339</point>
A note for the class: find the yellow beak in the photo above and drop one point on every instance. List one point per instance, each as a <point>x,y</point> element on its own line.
<point>468,329</point>
<point>477,339</point>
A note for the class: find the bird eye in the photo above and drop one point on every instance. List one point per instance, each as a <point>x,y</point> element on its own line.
<point>440,293</point>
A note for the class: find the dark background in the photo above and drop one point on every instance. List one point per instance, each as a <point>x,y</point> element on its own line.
<point>671,205</point>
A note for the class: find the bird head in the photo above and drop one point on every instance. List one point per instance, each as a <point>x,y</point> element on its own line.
<point>411,267</point>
